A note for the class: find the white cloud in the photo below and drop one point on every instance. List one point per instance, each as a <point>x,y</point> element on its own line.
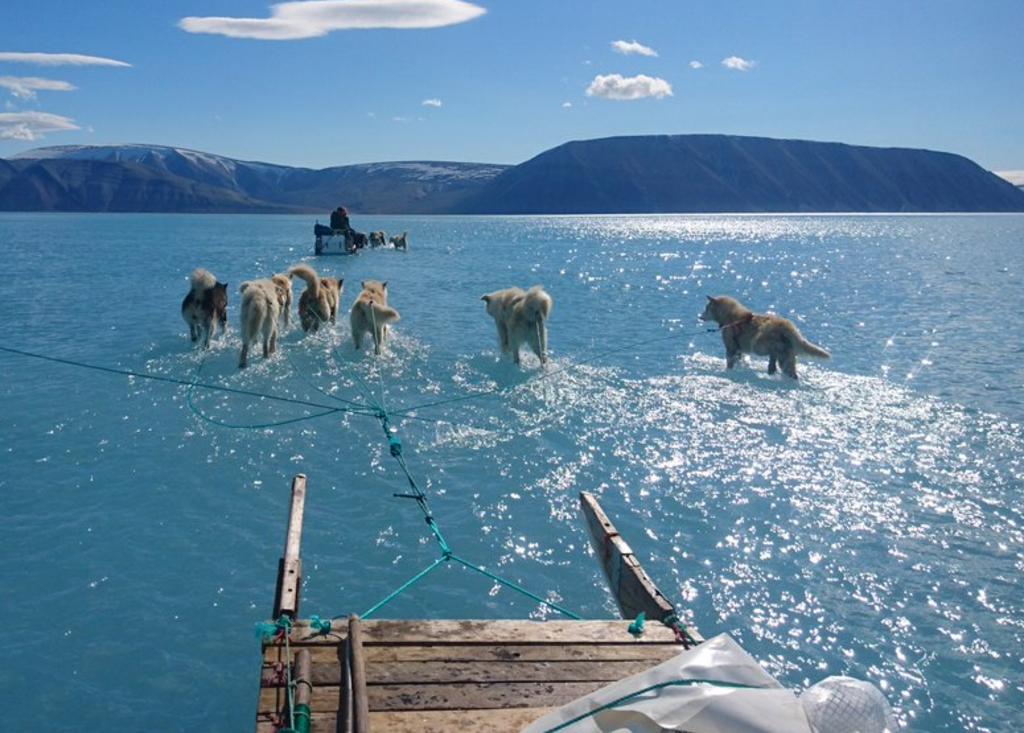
<point>25,87</point>
<point>290,21</point>
<point>399,119</point>
<point>1014,177</point>
<point>32,125</point>
<point>58,59</point>
<point>431,103</point>
<point>633,47</point>
<point>696,65</point>
<point>566,105</point>
<point>616,86</point>
<point>738,64</point>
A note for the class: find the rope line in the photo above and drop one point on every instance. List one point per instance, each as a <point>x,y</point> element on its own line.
<point>171,380</point>
<point>626,698</point>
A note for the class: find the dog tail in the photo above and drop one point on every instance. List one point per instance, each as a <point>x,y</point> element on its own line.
<point>202,279</point>
<point>536,303</point>
<point>307,273</point>
<point>808,348</point>
<point>382,314</point>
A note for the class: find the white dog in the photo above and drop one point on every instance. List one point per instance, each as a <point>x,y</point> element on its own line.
<point>371,314</point>
<point>521,317</point>
<point>261,309</point>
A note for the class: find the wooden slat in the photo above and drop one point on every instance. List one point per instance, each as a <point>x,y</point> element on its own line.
<point>464,721</point>
<point>487,632</point>
<point>494,653</point>
<point>633,590</point>
<point>431,721</point>
<point>357,673</point>
<point>289,572</point>
<point>434,672</point>
<point>468,696</point>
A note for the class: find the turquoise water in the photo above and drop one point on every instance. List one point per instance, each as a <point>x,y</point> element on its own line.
<point>866,521</point>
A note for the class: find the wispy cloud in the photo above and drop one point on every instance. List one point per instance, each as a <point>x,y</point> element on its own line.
<point>400,119</point>
<point>291,21</point>
<point>616,86</point>
<point>696,65</point>
<point>431,102</point>
<point>633,47</point>
<point>58,59</point>
<point>32,125</point>
<point>25,87</point>
<point>738,64</point>
<point>566,105</point>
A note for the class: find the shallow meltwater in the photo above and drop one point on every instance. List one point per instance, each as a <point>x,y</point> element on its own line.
<point>865,520</point>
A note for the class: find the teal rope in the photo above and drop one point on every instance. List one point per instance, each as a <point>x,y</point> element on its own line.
<point>644,691</point>
<point>405,586</point>
<point>250,426</point>
<point>517,588</point>
<point>169,380</point>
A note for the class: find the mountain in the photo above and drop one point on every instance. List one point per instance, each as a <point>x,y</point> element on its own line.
<point>725,173</point>
<point>161,178</point>
<point>640,174</point>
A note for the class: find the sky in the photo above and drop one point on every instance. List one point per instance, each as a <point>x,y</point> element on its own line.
<point>330,82</point>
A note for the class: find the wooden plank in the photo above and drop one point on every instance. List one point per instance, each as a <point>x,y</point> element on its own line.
<point>464,721</point>
<point>435,672</point>
<point>487,632</point>
<point>496,653</point>
<point>633,590</point>
<point>289,572</point>
<point>466,696</point>
<point>430,721</point>
<point>360,704</point>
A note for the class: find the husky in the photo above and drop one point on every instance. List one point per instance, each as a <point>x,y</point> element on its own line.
<point>283,284</point>
<point>205,306</point>
<point>318,303</point>
<point>745,332</point>
<point>521,317</point>
<point>378,239</point>
<point>261,309</point>
<point>371,314</point>
<point>401,241</point>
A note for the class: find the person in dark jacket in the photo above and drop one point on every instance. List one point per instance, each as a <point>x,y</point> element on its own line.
<point>339,219</point>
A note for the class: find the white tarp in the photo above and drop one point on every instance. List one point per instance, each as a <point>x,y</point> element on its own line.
<point>702,698</point>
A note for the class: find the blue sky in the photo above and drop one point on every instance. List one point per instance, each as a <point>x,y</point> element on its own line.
<point>512,81</point>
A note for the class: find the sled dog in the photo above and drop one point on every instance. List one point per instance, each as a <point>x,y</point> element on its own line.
<point>746,332</point>
<point>521,318</point>
<point>318,304</point>
<point>205,306</point>
<point>371,314</point>
<point>261,309</point>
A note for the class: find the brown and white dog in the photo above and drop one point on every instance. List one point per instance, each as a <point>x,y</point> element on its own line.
<point>261,309</point>
<point>318,304</point>
<point>283,283</point>
<point>378,239</point>
<point>205,306</point>
<point>371,314</point>
<point>745,332</point>
<point>521,317</point>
